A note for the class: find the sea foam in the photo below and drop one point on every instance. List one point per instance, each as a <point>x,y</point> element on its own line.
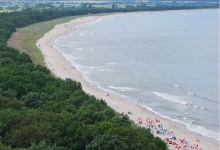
<point>173,98</point>
<point>125,89</point>
<point>203,131</point>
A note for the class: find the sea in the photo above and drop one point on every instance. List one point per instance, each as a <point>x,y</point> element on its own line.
<point>165,61</point>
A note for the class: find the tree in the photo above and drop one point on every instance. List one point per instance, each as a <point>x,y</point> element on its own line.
<point>44,146</point>
<point>151,146</point>
<point>3,147</point>
<point>114,6</point>
<point>35,100</point>
<point>107,142</point>
<point>160,144</point>
<point>89,5</point>
<point>10,103</point>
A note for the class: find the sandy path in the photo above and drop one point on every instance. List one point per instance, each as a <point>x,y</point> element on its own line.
<point>61,68</point>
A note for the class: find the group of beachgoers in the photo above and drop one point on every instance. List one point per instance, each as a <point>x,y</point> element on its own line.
<point>157,128</point>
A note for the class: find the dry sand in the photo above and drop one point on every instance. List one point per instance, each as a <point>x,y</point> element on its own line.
<point>62,68</point>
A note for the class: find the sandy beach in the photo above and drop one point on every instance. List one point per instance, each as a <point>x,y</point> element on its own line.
<point>60,67</point>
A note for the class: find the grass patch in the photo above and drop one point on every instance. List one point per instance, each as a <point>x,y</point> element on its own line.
<point>24,39</point>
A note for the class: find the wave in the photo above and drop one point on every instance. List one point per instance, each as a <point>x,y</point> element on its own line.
<point>70,58</point>
<point>203,131</point>
<point>105,70</point>
<point>82,34</point>
<point>124,89</point>
<point>101,68</point>
<point>97,85</point>
<point>110,63</point>
<point>98,20</point>
<point>97,67</point>
<point>207,99</point>
<point>191,94</point>
<point>178,86</point>
<point>177,99</point>
<point>80,48</point>
<point>173,98</point>
<point>196,95</point>
<point>92,67</point>
<point>204,98</point>
<point>195,106</point>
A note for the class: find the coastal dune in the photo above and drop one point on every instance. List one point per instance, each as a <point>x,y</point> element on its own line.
<point>61,68</point>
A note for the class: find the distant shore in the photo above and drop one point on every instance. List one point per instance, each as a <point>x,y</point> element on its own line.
<point>60,67</point>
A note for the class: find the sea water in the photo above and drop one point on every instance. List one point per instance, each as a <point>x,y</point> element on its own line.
<point>166,61</point>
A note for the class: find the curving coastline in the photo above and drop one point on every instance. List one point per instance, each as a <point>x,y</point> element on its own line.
<point>61,68</point>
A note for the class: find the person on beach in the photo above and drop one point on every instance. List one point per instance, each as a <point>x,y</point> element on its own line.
<point>139,121</point>
<point>157,119</point>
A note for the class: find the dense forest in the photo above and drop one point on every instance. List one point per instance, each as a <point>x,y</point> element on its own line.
<point>42,112</point>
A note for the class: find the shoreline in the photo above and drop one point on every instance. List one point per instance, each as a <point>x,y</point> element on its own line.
<point>60,67</point>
